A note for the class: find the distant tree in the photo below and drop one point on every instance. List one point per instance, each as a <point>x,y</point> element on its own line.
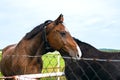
<point>109,50</point>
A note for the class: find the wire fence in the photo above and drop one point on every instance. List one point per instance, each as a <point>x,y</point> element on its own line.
<point>92,69</point>
<point>54,67</point>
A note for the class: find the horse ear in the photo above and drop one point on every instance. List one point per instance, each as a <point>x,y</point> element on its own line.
<point>60,19</point>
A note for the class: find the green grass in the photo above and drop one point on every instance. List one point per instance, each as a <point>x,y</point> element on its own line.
<point>50,62</point>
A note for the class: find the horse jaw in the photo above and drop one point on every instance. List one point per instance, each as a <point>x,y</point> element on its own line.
<point>75,54</point>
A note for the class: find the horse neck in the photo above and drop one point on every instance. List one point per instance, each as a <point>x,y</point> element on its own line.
<point>89,51</point>
<point>32,47</point>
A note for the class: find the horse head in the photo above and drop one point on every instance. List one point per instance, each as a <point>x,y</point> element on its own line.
<point>60,38</point>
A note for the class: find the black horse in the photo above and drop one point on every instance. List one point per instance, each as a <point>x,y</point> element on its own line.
<point>93,69</point>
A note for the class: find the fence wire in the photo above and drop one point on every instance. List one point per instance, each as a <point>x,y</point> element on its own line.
<point>82,69</point>
<point>92,69</point>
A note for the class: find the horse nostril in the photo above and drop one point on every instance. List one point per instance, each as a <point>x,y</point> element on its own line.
<point>78,55</point>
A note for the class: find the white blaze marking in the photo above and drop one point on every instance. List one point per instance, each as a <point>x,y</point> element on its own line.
<point>66,29</point>
<point>78,48</point>
<point>79,52</point>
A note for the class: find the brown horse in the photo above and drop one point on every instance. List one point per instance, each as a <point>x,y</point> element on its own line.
<point>18,59</point>
<point>100,69</point>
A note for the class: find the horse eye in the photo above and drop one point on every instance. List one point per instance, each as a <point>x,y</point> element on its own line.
<point>62,33</point>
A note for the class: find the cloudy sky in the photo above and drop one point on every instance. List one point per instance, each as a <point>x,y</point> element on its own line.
<point>96,22</point>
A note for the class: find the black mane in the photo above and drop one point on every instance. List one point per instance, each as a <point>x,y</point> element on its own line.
<point>33,32</point>
<point>36,30</point>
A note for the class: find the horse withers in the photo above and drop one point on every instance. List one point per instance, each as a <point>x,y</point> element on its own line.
<point>25,57</point>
